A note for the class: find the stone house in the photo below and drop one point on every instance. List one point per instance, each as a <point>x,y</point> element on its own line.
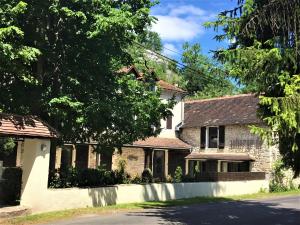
<point>161,154</point>
<point>218,129</point>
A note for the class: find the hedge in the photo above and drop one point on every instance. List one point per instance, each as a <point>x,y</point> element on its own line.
<point>11,185</point>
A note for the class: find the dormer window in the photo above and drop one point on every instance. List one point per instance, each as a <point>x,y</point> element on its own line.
<point>169,122</point>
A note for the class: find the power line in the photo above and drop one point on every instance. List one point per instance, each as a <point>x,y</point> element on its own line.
<point>174,61</point>
<point>172,50</point>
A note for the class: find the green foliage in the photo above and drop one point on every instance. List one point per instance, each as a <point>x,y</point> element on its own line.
<point>58,61</point>
<point>203,77</point>
<point>178,175</point>
<point>264,57</point>
<point>7,145</point>
<point>151,40</point>
<point>11,185</point>
<point>280,182</point>
<point>147,176</point>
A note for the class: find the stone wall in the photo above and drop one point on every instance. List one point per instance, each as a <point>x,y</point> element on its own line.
<point>191,136</point>
<point>238,139</point>
<point>134,157</point>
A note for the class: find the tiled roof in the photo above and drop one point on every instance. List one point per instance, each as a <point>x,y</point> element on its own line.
<point>163,84</point>
<point>25,126</point>
<point>229,110</point>
<point>168,86</point>
<point>221,156</point>
<point>164,143</point>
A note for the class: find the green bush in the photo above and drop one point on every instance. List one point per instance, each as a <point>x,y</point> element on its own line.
<point>279,181</point>
<point>147,176</point>
<point>11,185</point>
<point>178,175</point>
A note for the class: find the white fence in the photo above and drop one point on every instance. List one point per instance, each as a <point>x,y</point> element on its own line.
<point>59,199</point>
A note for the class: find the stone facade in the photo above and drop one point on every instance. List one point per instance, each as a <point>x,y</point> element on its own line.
<point>238,139</point>
<point>134,157</point>
<point>191,136</point>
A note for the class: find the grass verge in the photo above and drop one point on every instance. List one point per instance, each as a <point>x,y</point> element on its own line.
<point>65,214</point>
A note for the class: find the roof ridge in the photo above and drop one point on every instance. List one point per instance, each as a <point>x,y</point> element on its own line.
<point>219,98</point>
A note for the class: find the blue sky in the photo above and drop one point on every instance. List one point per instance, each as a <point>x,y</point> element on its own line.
<point>182,21</point>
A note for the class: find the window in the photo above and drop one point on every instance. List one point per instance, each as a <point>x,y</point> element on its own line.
<point>212,137</point>
<point>66,156</point>
<point>235,166</point>
<point>169,122</point>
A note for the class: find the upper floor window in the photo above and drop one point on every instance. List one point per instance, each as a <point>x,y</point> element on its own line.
<point>169,122</point>
<point>212,137</point>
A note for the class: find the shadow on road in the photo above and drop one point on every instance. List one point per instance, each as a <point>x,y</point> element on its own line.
<point>225,213</point>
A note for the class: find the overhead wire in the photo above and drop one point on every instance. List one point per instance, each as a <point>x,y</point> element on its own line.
<point>174,61</point>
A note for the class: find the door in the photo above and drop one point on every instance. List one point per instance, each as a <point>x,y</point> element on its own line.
<point>82,156</point>
<point>159,164</point>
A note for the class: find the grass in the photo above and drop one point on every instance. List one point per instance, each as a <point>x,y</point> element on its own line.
<point>65,214</point>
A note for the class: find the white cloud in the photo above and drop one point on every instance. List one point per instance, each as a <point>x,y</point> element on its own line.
<point>181,23</point>
<point>175,28</point>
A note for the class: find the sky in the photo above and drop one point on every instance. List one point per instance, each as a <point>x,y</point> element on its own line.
<point>181,21</point>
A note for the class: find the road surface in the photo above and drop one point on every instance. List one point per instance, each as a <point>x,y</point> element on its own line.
<point>276,211</point>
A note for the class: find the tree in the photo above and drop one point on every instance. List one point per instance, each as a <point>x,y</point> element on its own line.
<point>58,61</point>
<point>147,55</point>
<point>265,56</point>
<point>203,78</point>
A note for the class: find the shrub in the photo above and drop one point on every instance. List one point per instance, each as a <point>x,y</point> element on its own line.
<point>178,175</point>
<point>137,180</point>
<point>280,181</point>
<point>11,185</point>
<point>169,179</point>
<point>147,176</point>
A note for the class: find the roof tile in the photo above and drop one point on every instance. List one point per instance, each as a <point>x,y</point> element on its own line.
<point>238,109</point>
<point>16,125</point>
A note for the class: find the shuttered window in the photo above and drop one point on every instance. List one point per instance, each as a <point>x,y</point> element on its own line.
<point>212,137</point>
<point>169,122</point>
<point>203,138</point>
<point>221,137</point>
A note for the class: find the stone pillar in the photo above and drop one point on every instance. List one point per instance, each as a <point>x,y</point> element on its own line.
<point>166,163</point>
<point>73,156</point>
<point>186,167</point>
<point>36,158</point>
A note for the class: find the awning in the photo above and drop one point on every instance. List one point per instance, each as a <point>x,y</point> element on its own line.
<point>161,143</point>
<point>220,156</point>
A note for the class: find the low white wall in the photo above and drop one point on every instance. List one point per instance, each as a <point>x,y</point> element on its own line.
<point>59,199</point>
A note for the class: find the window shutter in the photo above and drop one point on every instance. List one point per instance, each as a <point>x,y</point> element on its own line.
<point>169,122</point>
<point>203,137</point>
<point>221,137</point>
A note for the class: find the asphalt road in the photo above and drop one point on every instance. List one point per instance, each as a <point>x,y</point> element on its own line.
<point>276,211</point>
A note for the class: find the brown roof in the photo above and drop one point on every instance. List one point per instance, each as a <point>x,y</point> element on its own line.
<point>221,156</point>
<point>25,126</point>
<point>164,143</point>
<point>168,86</point>
<point>163,84</point>
<point>238,109</point>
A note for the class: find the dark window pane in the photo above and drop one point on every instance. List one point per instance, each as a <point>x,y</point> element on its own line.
<point>213,137</point>
<point>82,155</point>
<point>66,157</point>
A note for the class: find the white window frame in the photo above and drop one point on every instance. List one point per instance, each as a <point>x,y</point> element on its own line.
<point>207,137</point>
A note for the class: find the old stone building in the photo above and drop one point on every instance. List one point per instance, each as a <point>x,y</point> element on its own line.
<point>219,131</point>
<point>161,154</point>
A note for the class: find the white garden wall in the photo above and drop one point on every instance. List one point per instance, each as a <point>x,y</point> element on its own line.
<point>59,199</point>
